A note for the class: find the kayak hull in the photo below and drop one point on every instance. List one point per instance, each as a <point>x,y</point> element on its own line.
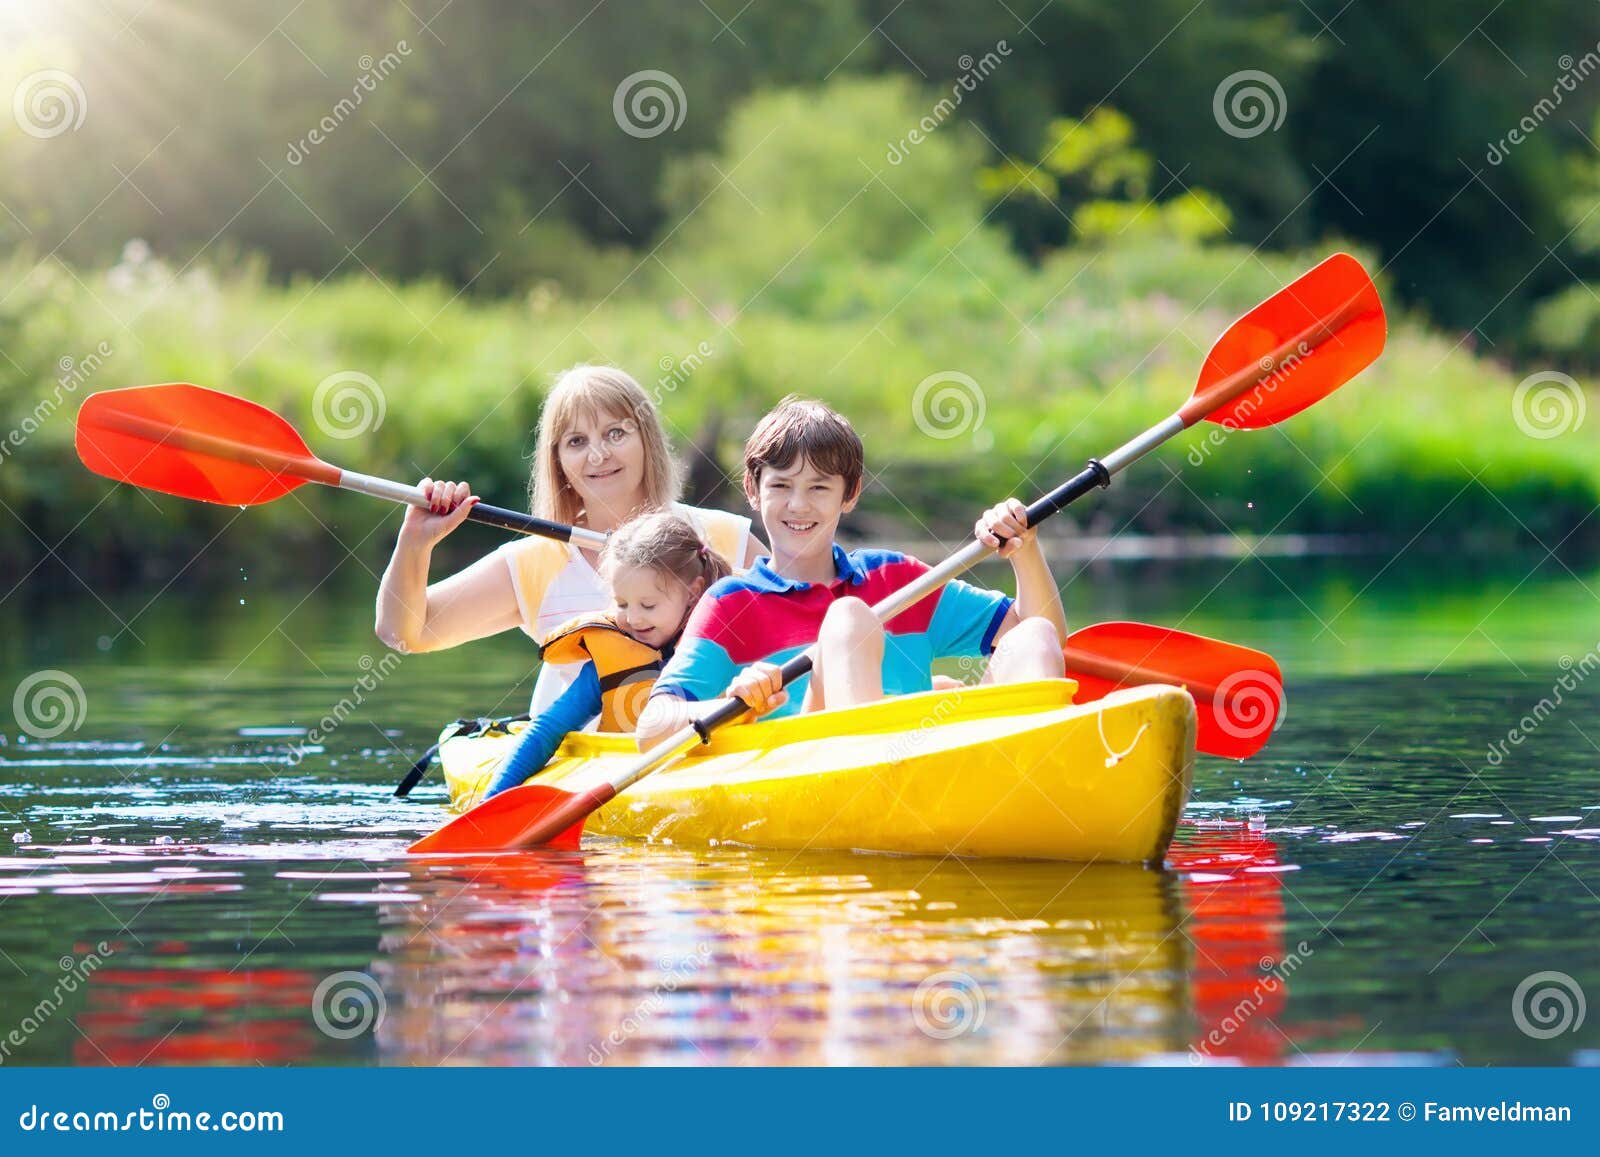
<point>1002,771</point>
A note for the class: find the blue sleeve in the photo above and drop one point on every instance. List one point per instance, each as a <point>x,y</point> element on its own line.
<point>966,620</point>
<point>699,669</point>
<point>577,705</point>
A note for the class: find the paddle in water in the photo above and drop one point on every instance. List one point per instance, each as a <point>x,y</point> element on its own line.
<point>1286,354</point>
<point>213,447</point>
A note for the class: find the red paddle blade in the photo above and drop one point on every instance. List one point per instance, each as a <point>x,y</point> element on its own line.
<point>195,443</point>
<point>1238,691</point>
<point>513,819</point>
<point>1303,342</point>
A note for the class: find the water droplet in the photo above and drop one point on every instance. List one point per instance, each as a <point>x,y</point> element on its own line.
<point>1249,505</point>
<point>241,602</point>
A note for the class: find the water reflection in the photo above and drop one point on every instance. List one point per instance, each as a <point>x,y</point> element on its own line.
<point>657,956</point>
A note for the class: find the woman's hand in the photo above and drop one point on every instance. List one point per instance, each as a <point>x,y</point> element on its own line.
<point>449,503</point>
<point>760,685</point>
<point>1007,521</point>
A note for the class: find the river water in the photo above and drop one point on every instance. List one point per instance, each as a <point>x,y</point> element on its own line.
<point>1407,874</point>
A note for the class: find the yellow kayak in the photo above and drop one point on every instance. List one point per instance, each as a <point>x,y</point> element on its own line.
<point>1001,771</point>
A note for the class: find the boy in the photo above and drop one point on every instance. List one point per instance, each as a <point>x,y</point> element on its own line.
<point>803,469</point>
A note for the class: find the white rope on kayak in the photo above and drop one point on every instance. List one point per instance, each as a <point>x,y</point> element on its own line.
<point>1115,757</point>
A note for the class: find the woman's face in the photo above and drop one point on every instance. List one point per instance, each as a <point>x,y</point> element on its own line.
<point>603,459</point>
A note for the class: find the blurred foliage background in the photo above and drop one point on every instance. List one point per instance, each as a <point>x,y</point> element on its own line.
<point>859,194</point>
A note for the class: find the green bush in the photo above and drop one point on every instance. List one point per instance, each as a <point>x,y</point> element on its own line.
<point>856,282</point>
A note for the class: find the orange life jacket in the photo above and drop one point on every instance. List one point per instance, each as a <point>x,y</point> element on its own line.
<point>627,669</point>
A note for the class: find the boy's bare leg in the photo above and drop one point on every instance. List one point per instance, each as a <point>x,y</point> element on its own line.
<point>1030,650</point>
<point>849,666</point>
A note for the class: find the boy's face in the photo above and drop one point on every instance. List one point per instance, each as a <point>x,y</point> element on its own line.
<point>800,507</point>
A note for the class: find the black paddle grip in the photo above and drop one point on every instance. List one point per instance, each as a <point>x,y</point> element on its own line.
<point>1092,477</point>
<point>518,521</point>
<point>733,708</point>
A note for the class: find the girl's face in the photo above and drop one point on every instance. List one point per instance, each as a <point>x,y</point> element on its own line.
<point>603,459</point>
<point>651,606</point>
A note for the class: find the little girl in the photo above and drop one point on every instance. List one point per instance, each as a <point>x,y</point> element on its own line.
<point>657,568</point>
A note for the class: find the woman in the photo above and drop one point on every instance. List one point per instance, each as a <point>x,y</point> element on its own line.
<point>601,458</point>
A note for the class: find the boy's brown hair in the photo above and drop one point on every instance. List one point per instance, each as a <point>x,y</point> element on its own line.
<point>799,428</point>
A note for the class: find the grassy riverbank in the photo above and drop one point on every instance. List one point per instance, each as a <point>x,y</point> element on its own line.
<point>970,372</point>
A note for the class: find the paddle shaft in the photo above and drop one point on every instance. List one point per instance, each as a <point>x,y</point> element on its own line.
<point>1098,473</point>
<point>313,469</point>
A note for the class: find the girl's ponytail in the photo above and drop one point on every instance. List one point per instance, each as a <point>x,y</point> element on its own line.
<point>712,565</point>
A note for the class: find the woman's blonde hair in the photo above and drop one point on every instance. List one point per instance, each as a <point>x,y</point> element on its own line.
<point>664,542</point>
<point>586,391</point>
